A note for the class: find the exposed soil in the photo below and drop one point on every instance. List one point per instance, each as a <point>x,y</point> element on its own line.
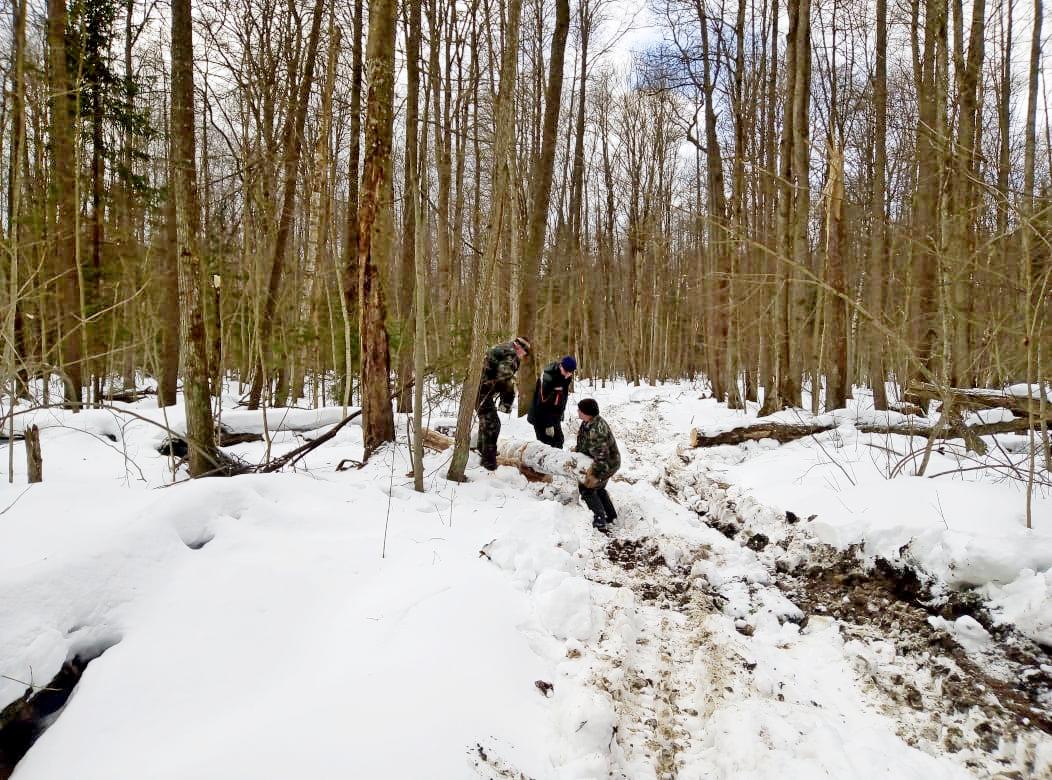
<point>991,706</point>
<point>1013,687</point>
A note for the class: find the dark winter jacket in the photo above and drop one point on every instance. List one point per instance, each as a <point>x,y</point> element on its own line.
<point>549,397</point>
<point>595,440</point>
<point>498,373</point>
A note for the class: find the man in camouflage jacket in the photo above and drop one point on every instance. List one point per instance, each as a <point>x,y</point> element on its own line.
<point>595,440</point>
<point>498,380</point>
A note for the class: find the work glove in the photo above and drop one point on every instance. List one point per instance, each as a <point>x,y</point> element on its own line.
<point>549,431</point>
<point>504,407</point>
<point>590,481</point>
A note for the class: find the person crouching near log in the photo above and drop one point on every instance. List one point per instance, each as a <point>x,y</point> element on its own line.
<point>595,440</point>
<point>498,380</point>
<point>549,401</point>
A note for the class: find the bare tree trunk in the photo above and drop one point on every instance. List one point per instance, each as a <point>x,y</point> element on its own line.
<point>169,281</point>
<point>963,216</point>
<point>349,270</point>
<point>406,270</point>
<point>373,237</point>
<point>63,126</point>
<point>801,168</point>
<point>15,349</point>
<point>838,384</point>
<point>878,220</point>
<point>925,256</point>
<point>1032,286</point>
<point>503,146</point>
<point>200,433</point>
<point>723,384</point>
<point>293,143</point>
<point>418,194</point>
<point>540,200</point>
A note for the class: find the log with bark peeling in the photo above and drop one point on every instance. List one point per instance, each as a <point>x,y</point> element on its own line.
<point>538,462</point>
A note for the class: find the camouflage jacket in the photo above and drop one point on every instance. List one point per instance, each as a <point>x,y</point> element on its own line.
<point>595,440</point>
<point>498,373</point>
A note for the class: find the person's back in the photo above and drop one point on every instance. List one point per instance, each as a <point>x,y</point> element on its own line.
<point>498,370</point>
<point>596,440</point>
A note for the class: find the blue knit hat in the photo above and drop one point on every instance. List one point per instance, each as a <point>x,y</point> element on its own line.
<point>568,363</point>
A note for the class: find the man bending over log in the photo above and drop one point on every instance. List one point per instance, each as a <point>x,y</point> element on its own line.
<point>498,380</point>
<point>549,401</point>
<point>595,440</point>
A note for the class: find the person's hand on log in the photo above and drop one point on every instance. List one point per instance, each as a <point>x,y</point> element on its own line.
<point>505,407</point>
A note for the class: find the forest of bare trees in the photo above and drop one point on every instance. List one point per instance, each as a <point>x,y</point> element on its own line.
<point>324,200</point>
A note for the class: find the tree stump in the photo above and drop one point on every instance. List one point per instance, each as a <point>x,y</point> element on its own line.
<point>34,460</point>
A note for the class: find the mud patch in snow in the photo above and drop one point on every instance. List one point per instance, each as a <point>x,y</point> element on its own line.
<point>1001,692</point>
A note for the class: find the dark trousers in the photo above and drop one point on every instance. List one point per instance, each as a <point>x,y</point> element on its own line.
<point>598,500</point>
<point>557,440</point>
<point>489,430</point>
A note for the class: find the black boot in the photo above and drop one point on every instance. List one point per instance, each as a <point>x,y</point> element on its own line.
<point>488,459</point>
<point>593,502</point>
<point>608,505</point>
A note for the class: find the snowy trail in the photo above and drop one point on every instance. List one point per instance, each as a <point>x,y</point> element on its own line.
<point>499,636</point>
<point>708,670</point>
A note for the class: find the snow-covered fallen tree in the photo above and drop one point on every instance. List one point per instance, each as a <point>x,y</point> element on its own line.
<point>544,459</point>
<point>985,422</point>
<point>255,421</point>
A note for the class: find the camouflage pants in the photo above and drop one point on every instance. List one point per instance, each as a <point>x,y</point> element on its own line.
<point>489,430</point>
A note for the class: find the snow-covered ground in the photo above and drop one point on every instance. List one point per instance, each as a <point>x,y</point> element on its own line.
<point>325,624</point>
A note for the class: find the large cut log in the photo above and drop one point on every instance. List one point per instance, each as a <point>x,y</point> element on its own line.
<point>434,440</point>
<point>534,459</point>
<point>544,459</point>
<point>978,398</point>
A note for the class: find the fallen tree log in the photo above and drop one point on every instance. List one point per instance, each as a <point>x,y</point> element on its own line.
<point>780,432</point>
<point>538,462</point>
<point>962,399</point>
<point>787,432</point>
<point>283,419</point>
<point>128,395</point>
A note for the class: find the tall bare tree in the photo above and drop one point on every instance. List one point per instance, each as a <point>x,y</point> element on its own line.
<point>540,201</point>
<point>503,147</point>
<point>374,245</point>
<point>200,433</point>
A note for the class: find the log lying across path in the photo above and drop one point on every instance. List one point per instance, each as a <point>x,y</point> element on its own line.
<point>537,462</point>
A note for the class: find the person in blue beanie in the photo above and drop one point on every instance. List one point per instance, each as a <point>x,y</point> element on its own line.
<point>549,401</point>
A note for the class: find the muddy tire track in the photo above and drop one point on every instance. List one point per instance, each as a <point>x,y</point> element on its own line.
<point>990,712</point>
